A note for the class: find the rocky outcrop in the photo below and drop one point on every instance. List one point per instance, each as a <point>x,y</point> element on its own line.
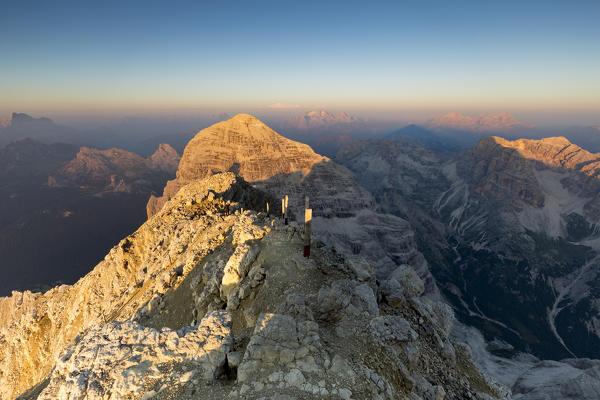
<point>143,265</point>
<point>570,380</point>
<point>212,299</point>
<point>128,360</point>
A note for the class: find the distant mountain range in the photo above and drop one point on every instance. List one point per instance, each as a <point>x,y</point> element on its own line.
<point>20,125</point>
<point>16,119</point>
<point>502,122</point>
<point>455,132</point>
<point>139,135</point>
<point>327,132</point>
<point>117,170</point>
<point>321,119</point>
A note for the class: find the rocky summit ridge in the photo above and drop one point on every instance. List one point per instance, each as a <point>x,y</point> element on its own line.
<point>211,298</point>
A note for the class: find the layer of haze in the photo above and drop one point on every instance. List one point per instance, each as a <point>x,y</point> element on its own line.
<point>536,59</point>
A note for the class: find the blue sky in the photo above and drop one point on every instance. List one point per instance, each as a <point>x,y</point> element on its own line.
<point>536,58</point>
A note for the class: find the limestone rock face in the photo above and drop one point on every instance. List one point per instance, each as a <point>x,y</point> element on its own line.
<point>213,299</point>
<point>524,200</point>
<point>248,147</point>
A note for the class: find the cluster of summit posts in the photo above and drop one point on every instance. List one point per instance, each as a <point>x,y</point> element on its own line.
<point>307,220</point>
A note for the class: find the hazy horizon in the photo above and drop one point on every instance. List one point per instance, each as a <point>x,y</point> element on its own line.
<point>96,119</point>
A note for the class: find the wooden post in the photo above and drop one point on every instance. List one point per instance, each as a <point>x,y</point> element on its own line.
<point>283,209</point>
<point>285,214</point>
<point>307,231</point>
<point>267,209</point>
